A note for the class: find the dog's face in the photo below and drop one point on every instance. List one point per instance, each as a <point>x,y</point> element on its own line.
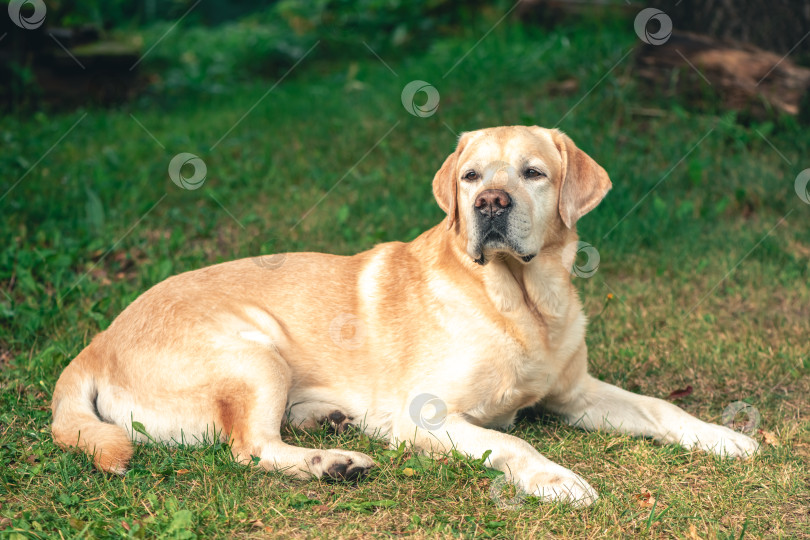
<point>508,189</point>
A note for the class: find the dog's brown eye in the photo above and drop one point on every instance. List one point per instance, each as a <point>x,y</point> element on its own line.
<point>471,175</point>
<point>533,173</point>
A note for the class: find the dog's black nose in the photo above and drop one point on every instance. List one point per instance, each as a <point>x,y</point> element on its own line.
<point>493,202</point>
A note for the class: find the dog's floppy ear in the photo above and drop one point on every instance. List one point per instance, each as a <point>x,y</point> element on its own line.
<point>584,182</point>
<point>445,185</point>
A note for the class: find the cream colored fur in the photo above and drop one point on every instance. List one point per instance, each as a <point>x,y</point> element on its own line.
<point>238,348</point>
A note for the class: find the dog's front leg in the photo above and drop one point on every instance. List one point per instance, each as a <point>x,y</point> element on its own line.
<point>595,405</point>
<point>521,463</point>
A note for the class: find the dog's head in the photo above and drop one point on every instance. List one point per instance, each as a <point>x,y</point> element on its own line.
<point>508,189</point>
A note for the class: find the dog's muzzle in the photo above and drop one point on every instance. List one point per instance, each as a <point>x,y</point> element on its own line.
<point>492,208</point>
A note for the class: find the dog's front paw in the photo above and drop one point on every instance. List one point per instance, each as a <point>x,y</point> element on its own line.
<point>722,441</point>
<point>561,485</point>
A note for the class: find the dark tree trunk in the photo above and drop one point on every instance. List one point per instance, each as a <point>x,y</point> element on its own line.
<point>781,26</point>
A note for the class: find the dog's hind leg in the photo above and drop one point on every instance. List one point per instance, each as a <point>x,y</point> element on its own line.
<point>249,410</point>
<point>312,414</point>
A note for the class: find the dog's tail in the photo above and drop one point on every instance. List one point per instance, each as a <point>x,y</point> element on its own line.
<point>76,422</point>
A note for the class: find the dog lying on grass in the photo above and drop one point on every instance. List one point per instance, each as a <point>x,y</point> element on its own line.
<point>475,319</point>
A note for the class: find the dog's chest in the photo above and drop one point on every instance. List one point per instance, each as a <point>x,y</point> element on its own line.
<point>515,377</point>
<point>503,365</point>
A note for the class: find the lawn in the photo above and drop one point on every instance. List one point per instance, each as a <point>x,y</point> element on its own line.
<point>704,251</point>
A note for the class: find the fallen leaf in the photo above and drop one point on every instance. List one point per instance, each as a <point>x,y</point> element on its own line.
<point>407,471</point>
<point>769,438</point>
<point>680,393</point>
<point>182,471</point>
<point>645,499</point>
<point>125,525</point>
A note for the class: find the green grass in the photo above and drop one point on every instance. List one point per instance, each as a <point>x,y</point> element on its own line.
<point>708,277</point>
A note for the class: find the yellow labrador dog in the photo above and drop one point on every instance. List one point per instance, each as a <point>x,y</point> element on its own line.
<point>438,342</point>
